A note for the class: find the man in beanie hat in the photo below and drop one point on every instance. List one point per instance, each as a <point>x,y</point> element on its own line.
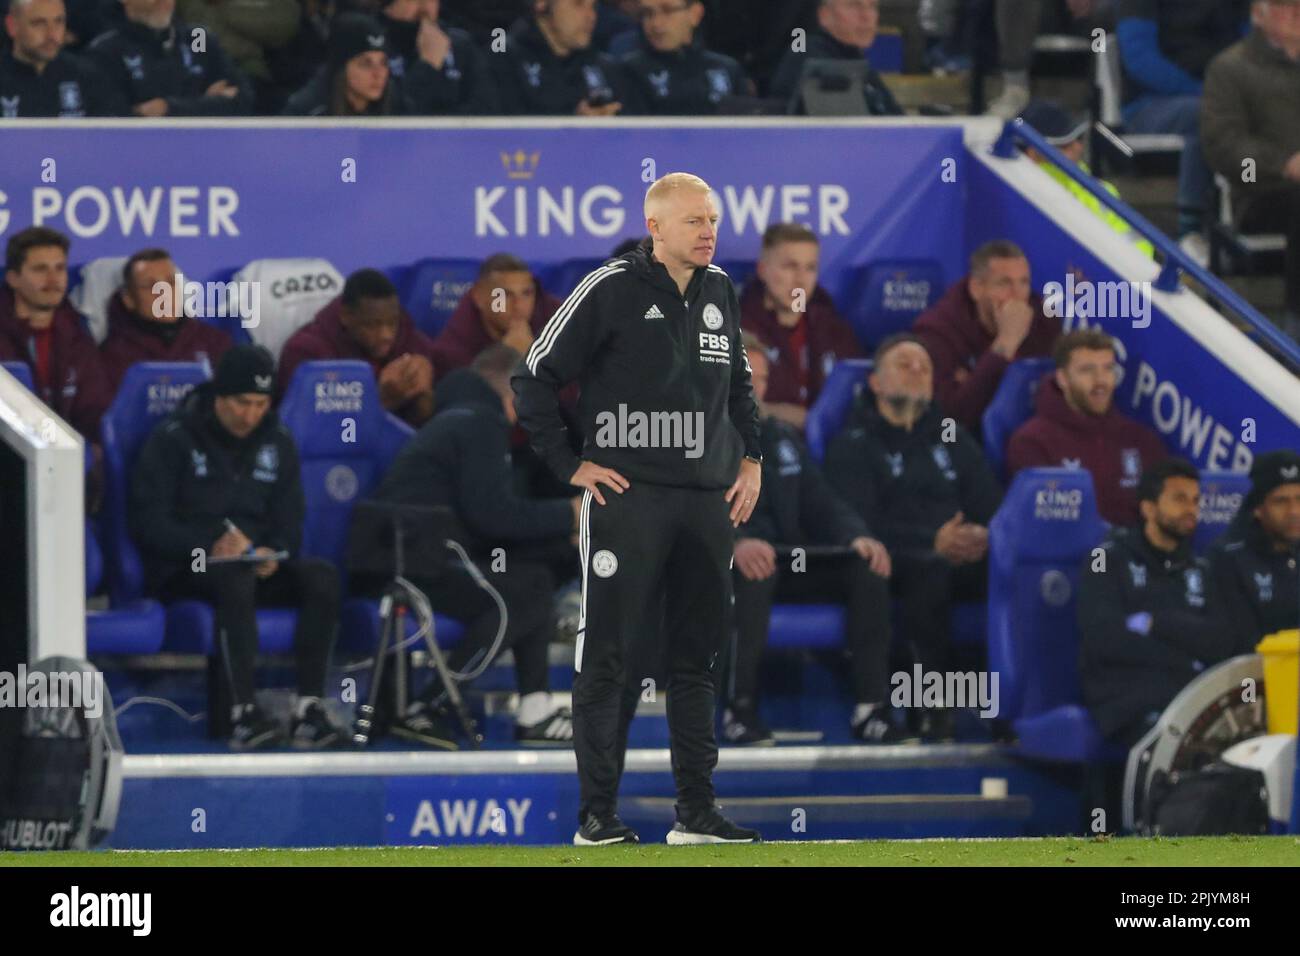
<point>216,486</point>
<point>1257,561</point>
<point>355,80</point>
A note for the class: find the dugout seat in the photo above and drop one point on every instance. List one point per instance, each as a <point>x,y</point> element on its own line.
<point>885,297</point>
<point>739,271</point>
<point>341,463</point>
<point>1222,493</point>
<point>21,371</point>
<point>99,280</point>
<point>561,278</point>
<point>137,627</point>
<point>1012,406</point>
<point>432,289</point>
<point>290,293</point>
<point>1047,524</point>
<point>831,409</point>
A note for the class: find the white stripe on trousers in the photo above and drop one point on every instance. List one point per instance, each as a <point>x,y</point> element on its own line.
<point>584,547</point>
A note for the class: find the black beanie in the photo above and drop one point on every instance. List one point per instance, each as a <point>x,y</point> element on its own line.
<point>1270,471</point>
<point>245,369</point>
<point>352,34</point>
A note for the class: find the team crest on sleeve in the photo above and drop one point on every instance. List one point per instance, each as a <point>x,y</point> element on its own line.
<point>712,317</point>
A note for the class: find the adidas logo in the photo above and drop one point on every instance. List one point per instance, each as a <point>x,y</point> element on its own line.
<point>653,313</point>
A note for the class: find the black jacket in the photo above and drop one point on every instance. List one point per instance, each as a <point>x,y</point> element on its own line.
<point>1260,586</point>
<point>460,459</point>
<point>638,348</point>
<point>192,474</point>
<point>905,485</point>
<point>823,46</point>
<point>531,80</point>
<point>316,97</point>
<point>691,81</point>
<point>1124,674</point>
<point>797,505</point>
<point>67,87</point>
<point>142,64</point>
<point>462,87</point>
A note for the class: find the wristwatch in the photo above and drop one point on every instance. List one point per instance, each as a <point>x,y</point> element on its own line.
<point>757,461</point>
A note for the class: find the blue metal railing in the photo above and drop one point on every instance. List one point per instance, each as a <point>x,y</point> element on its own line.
<point>1176,261</point>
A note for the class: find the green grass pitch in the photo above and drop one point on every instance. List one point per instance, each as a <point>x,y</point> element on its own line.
<point>1059,851</point>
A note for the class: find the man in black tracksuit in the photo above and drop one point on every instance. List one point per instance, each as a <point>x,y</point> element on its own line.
<point>922,484</point>
<point>460,459</point>
<point>1149,616</point>
<point>833,40</point>
<point>440,70</point>
<point>1256,564</point>
<point>550,68</point>
<point>38,78</point>
<point>154,67</point>
<point>798,508</point>
<point>667,414</point>
<point>217,480</point>
<point>674,75</point>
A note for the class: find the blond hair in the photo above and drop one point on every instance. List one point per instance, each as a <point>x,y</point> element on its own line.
<point>666,186</point>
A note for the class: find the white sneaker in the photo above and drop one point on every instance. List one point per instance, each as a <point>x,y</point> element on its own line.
<point>1196,248</point>
<point>1010,103</point>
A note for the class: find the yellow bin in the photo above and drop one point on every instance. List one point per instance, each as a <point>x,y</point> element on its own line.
<point>1281,653</point>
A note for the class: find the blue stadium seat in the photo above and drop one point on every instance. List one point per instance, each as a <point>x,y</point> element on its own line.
<point>432,289</point>
<point>1047,524</point>
<point>1012,406</point>
<point>806,626</point>
<point>134,628</point>
<point>739,271</point>
<point>21,371</point>
<point>341,463</point>
<point>831,409</point>
<point>1222,493</point>
<point>561,278</point>
<point>885,297</point>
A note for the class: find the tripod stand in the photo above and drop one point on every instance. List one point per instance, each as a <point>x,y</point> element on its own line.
<point>394,606</point>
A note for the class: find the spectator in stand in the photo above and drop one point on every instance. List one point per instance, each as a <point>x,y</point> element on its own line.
<point>367,322</point>
<point>441,70</point>
<point>986,320</point>
<point>1165,46</point>
<point>927,492</point>
<point>505,304</point>
<point>788,309</point>
<point>551,68</point>
<point>1077,425</point>
<point>845,29</point>
<point>220,478</point>
<point>250,31</point>
<point>151,63</point>
<point>1067,135</point>
<point>616,30</point>
<point>479,18</point>
<point>673,74</point>
<point>355,81</point>
<point>1250,110</point>
<point>1149,617</point>
<point>41,79</point>
<point>799,508</point>
<point>1256,563</point>
<point>40,327</point>
<point>147,324</point>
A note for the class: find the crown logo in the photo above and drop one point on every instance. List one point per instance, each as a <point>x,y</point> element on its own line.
<point>520,165</point>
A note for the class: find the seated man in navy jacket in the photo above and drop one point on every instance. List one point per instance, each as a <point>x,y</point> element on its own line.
<point>798,507</point>
<point>219,480</point>
<point>1149,618</point>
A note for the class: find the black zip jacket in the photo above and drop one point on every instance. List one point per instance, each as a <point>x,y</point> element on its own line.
<point>1125,674</point>
<point>68,87</point>
<point>142,64</point>
<point>192,474</point>
<point>797,504</point>
<point>637,345</point>
<point>823,46</point>
<point>905,485</point>
<point>460,459</point>
<point>462,87</point>
<point>1260,585</point>
<point>533,81</point>
<point>691,81</point>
